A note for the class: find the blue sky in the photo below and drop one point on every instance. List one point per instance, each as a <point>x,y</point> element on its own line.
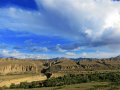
<point>59,28</point>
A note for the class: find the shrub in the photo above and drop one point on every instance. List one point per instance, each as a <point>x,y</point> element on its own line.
<point>13,86</point>
<point>70,79</point>
<point>24,85</point>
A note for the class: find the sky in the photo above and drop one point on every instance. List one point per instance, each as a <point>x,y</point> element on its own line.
<point>44,29</point>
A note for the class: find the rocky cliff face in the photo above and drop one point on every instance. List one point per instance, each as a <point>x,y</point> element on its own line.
<point>17,68</point>
<point>20,66</point>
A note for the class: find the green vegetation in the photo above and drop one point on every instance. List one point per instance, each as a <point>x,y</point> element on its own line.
<point>81,86</point>
<point>114,78</point>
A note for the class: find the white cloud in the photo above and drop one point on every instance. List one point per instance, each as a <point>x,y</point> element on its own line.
<point>90,14</point>
<point>77,49</point>
<point>98,54</point>
<point>90,18</point>
<point>17,19</point>
<point>95,15</point>
<point>59,49</point>
<point>70,54</point>
<point>18,54</point>
<point>91,55</point>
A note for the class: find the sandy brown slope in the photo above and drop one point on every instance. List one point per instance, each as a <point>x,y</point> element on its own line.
<point>15,66</point>
<point>8,82</point>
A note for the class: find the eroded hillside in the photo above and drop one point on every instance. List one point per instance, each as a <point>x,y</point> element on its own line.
<point>15,66</point>
<point>64,65</point>
<point>70,66</point>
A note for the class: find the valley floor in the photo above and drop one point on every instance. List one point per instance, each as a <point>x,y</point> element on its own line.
<point>82,86</point>
<point>8,79</point>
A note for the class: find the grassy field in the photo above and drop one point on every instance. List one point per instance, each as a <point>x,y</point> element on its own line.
<point>82,86</point>
<point>6,80</point>
<point>9,77</point>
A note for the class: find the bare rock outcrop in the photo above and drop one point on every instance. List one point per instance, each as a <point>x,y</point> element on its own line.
<point>20,66</point>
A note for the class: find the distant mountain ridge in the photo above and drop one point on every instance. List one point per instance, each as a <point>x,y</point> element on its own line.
<point>58,58</point>
<point>117,57</point>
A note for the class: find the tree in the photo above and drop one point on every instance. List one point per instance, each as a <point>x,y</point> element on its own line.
<point>13,86</point>
<point>48,75</point>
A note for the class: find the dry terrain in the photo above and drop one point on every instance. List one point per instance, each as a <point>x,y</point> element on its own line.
<point>16,70</point>
<point>7,80</point>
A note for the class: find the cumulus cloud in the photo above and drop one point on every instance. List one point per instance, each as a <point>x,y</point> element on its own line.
<point>90,20</point>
